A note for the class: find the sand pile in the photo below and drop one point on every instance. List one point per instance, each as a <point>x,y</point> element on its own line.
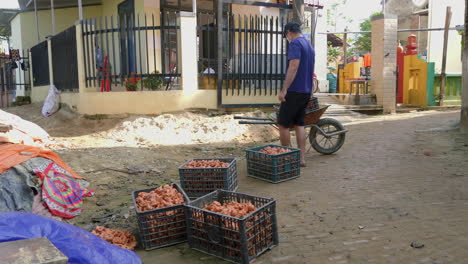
<point>188,128</point>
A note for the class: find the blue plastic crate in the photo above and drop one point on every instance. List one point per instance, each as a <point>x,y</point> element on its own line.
<point>273,168</point>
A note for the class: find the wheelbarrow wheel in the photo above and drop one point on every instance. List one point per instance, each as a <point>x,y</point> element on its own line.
<point>327,145</point>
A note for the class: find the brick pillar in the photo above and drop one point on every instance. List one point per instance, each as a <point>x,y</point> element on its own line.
<point>384,47</point>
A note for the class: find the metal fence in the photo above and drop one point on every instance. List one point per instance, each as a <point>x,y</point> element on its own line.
<point>14,75</point>
<point>207,44</point>
<point>255,54</point>
<point>140,50</point>
<point>64,60</point>
<point>40,64</point>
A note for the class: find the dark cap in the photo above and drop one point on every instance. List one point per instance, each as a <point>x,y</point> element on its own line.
<point>292,27</point>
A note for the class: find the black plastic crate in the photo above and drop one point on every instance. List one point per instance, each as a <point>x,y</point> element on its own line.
<point>164,226</point>
<point>238,240</point>
<point>197,182</point>
<point>273,168</point>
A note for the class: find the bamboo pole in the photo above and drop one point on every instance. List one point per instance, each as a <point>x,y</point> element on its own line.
<point>448,17</point>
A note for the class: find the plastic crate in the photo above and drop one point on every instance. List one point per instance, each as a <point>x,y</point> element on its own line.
<point>197,182</point>
<point>164,226</point>
<point>273,168</point>
<point>238,240</point>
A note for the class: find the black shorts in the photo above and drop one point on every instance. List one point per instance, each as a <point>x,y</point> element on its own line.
<point>292,112</point>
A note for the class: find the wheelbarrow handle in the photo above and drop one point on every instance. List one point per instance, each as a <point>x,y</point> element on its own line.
<point>252,118</point>
<point>257,122</point>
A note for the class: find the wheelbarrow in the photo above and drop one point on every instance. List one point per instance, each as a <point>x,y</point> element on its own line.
<point>326,135</point>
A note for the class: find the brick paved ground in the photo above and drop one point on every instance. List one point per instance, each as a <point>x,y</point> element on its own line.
<point>390,185</point>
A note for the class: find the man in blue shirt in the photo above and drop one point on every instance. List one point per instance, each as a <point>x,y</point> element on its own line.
<point>297,88</point>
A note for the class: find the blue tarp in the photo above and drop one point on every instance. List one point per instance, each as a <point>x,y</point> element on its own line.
<point>80,246</point>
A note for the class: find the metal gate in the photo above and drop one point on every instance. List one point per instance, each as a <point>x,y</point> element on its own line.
<point>14,78</point>
<point>64,60</point>
<point>252,65</point>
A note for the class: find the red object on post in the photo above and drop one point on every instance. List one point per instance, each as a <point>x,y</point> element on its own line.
<point>400,65</point>
<point>105,74</point>
<point>412,46</point>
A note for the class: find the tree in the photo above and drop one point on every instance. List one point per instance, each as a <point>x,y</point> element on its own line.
<point>363,41</point>
<point>464,110</point>
<point>335,14</point>
<point>332,53</point>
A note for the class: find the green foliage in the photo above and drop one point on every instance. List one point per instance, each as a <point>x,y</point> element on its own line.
<point>332,53</point>
<point>363,41</point>
<point>152,83</point>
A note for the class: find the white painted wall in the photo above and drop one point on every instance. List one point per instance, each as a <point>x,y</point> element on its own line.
<point>321,52</point>
<point>437,10</point>
<point>16,42</point>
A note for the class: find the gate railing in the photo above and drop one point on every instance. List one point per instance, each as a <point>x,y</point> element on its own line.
<point>40,64</point>
<point>140,49</point>
<point>14,76</point>
<point>64,60</point>
<point>255,49</point>
<point>255,54</point>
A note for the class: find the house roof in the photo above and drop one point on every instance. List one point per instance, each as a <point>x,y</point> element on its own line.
<point>28,5</point>
<point>334,40</point>
<point>5,16</point>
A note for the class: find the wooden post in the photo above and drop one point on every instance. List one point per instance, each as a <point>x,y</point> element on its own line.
<point>448,17</point>
<point>345,47</point>
<point>298,11</point>
<point>464,109</point>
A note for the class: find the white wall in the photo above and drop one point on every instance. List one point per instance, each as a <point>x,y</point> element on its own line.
<point>436,38</point>
<point>321,52</point>
<point>16,42</point>
<point>16,37</point>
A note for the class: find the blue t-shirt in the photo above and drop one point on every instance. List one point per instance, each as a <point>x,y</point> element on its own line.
<point>300,48</point>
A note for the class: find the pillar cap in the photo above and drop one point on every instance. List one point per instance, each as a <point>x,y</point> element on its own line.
<point>187,14</point>
<point>382,16</point>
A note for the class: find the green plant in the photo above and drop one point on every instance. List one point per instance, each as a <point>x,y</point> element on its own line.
<point>153,82</point>
<point>332,53</point>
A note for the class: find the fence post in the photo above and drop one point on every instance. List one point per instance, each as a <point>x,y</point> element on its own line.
<point>51,65</point>
<point>80,57</point>
<point>187,55</point>
<point>31,78</point>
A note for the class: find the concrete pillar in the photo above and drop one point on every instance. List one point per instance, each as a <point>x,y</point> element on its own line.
<point>80,58</point>
<point>384,47</point>
<point>320,54</point>
<point>187,57</point>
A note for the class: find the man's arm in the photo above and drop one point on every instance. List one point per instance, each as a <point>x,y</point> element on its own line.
<point>290,75</point>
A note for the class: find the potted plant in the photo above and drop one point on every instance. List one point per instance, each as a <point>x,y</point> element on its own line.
<point>131,83</point>
<point>153,82</point>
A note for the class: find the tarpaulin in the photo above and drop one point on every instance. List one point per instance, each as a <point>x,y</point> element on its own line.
<point>14,154</point>
<point>80,246</point>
